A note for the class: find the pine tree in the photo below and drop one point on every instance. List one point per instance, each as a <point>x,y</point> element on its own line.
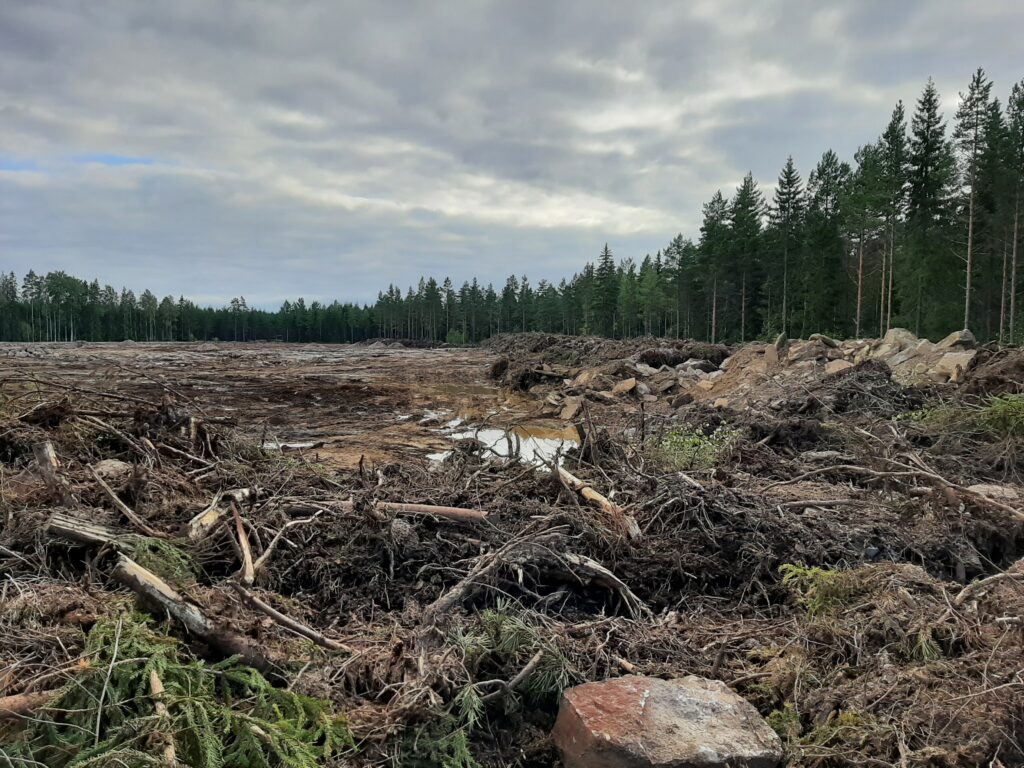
<point>970,138</point>
<point>714,242</point>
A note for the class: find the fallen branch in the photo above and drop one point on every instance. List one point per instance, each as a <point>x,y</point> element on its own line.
<point>156,691</point>
<point>278,536</point>
<point>295,626</point>
<point>154,589</point>
<point>617,516</point>
<point>459,514</point>
<point>80,531</point>
<point>125,510</point>
<point>981,585</point>
<point>516,681</point>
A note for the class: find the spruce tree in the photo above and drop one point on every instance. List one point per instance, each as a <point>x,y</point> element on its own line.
<point>931,176</point>
<point>893,150</point>
<point>607,292</point>
<point>787,214</point>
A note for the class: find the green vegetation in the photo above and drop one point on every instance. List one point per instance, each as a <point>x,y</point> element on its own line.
<point>998,417</point>
<point>697,448</point>
<point>820,590</point>
<point>917,217</point>
<point>222,715</point>
<point>500,644</point>
<point>162,558</point>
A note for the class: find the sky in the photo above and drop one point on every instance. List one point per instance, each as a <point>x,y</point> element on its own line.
<point>327,149</point>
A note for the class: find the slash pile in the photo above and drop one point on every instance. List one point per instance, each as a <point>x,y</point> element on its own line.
<point>845,556</point>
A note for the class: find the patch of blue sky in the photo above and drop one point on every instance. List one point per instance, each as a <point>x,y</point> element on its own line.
<point>101,158</point>
<point>17,164</point>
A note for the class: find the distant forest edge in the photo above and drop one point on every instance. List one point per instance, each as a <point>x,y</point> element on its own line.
<point>922,230</point>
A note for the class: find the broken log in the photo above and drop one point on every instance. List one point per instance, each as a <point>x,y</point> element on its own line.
<point>204,522</point>
<point>617,516</point>
<point>49,470</point>
<point>152,588</point>
<point>248,571</point>
<point>80,531</point>
<point>24,704</point>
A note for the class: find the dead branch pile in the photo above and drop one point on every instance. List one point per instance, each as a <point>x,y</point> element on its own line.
<point>856,578</point>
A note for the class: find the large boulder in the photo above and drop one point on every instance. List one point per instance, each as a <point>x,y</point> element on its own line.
<point>646,722</point>
<point>900,338</point>
<point>958,340</point>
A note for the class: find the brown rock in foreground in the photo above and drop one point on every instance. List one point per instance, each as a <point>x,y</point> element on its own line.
<point>646,722</point>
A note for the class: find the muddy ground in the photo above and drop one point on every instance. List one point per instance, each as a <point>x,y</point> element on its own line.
<point>841,548</point>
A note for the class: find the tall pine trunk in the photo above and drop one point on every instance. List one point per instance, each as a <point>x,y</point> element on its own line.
<point>1013,268</point>
<point>970,255</point>
<point>860,283</point>
<point>1002,292</point>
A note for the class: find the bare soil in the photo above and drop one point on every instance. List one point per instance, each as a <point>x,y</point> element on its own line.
<point>827,545</point>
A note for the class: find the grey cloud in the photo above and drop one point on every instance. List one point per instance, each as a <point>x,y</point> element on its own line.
<point>326,149</point>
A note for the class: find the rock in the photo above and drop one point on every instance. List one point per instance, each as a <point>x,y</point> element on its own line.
<point>624,386</point>
<point>113,470</point>
<point>828,341</point>
<point>958,340</point>
<point>900,357</point>
<point>715,375</point>
<point>722,402</point>
<point>642,389</point>
<point>586,378</point>
<point>900,338</point>
<point>645,370</point>
<point>997,492</point>
<point>771,356</point>
<point>806,350</point>
<point>570,408</point>
<point>646,722</point>
<point>953,364</point>
<point>835,366</point>
<point>705,384</point>
<point>694,364</point>
<point>683,398</point>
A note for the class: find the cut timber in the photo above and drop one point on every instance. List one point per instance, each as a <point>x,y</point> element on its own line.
<point>154,589</point>
<point>248,572</point>
<point>75,529</point>
<point>49,469</point>
<point>156,692</point>
<point>24,704</point>
<point>621,521</point>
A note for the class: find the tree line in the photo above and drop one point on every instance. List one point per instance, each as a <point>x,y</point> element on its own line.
<point>922,229</point>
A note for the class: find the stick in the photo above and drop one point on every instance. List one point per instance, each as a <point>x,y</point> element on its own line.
<point>514,683</point>
<point>277,537</point>
<point>156,691</point>
<point>248,571</point>
<point>125,510</point>
<point>459,514</point>
<point>295,626</point>
<point>982,584</point>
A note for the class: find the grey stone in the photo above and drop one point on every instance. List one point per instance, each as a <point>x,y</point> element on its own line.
<point>646,722</point>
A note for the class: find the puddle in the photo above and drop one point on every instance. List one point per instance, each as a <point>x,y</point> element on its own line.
<point>534,444</point>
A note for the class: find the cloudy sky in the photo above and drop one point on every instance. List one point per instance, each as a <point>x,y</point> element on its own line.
<point>324,149</point>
